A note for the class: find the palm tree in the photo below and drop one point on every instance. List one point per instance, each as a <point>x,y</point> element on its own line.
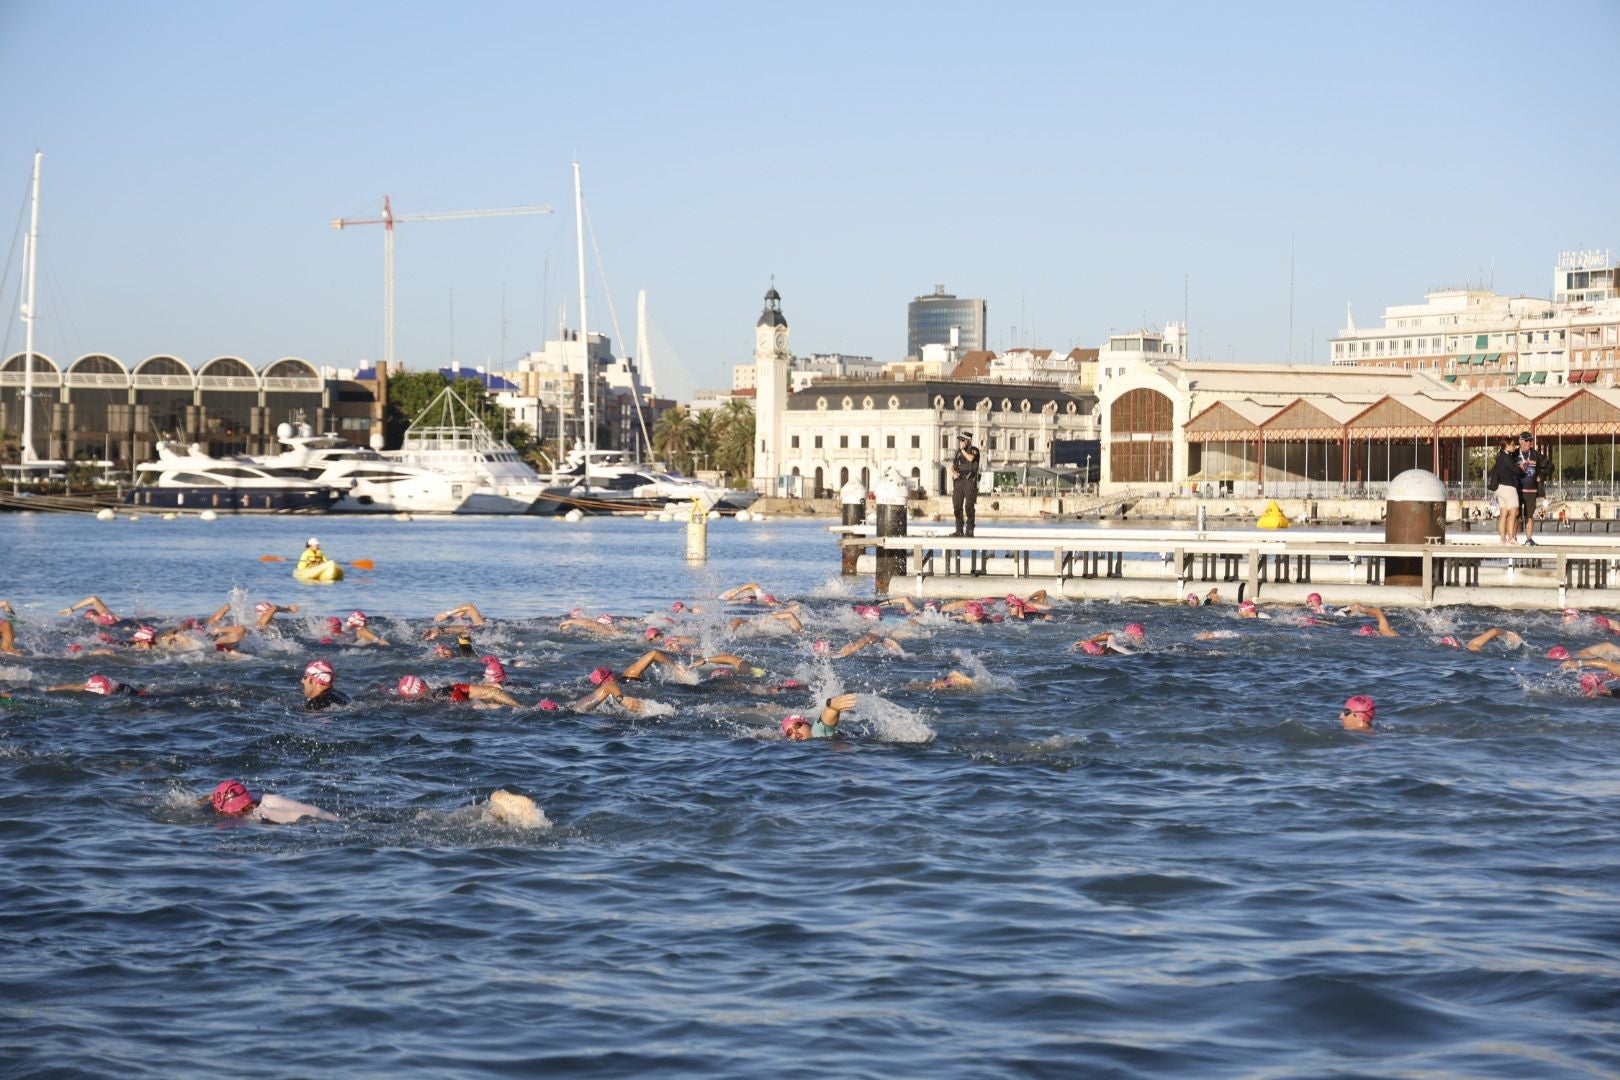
<point>673,436</point>
<point>734,454</point>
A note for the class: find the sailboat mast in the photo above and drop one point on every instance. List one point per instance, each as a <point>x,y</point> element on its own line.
<point>584,324</point>
<point>32,262</point>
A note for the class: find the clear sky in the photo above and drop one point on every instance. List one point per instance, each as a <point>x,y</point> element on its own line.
<point>1084,168</point>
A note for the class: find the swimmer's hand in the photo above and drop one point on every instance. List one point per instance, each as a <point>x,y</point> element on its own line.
<point>842,702</point>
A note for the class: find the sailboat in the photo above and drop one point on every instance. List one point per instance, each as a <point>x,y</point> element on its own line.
<point>28,461</point>
<point>601,481</point>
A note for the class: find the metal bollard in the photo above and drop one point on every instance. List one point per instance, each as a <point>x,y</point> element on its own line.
<point>891,521</point>
<point>1414,513</point>
<point>697,534</point>
<point>853,497</point>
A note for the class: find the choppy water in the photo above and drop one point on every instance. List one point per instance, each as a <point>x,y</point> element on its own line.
<point>1172,863</point>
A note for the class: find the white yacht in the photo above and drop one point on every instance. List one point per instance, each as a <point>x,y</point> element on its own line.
<point>185,478</point>
<point>617,484</point>
<point>370,482</point>
<point>450,439</point>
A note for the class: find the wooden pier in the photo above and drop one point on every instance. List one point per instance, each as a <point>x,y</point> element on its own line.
<point>1281,566</point>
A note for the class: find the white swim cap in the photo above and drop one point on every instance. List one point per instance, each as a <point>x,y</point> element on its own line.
<point>313,542</point>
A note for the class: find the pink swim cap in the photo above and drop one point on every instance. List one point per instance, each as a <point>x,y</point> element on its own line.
<point>677,606</point>
<point>1602,622</point>
<point>653,633</point>
<point>1192,599</point>
<point>1314,599</point>
<point>821,647</point>
<point>1091,648</point>
<point>334,624</point>
<point>868,611</point>
<point>101,620</point>
<point>975,609</point>
<point>441,650</point>
<point>1361,703</point>
<point>144,633</point>
<point>1558,652</point>
<point>547,705</point>
<point>319,671</point>
<point>1246,605</point>
<point>356,618</point>
<point>233,797</point>
<point>601,675</point>
<point>789,684</point>
<point>605,620</point>
<point>263,606</point>
<point>768,599</point>
<point>75,648</point>
<point>1453,642</point>
<point>1572,613</point>
<point>1135,630</point>
<point>1367,631</point>
<point>411,686</point>
<point>100,684</point>
<point>791,722</point>
<point>494,670</point>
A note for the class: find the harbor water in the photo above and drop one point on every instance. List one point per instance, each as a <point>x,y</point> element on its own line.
<point>1169,863</point>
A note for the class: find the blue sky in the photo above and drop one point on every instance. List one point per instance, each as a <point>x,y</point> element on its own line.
<point>1083,168</point>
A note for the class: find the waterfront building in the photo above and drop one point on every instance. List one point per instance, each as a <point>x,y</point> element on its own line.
<point>101,409</point>
<point>1477,339</point>
<point>942,318</point>
<point>772,356</point>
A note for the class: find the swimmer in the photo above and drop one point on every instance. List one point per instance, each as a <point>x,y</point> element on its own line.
<point>751,593</point>
<point>265,612</point>
<point>1022,609</point>
<point>867,641</point>
<point>799,728</point>
<point>415,688</point>
<point>317,684</point>
<point>601,626</point>
<point>228,639</point>
<point>1603,650</point>
<point>1358,713</point>
<point>1477,643</point>
<point>465,612</point>
<point>98,684</point>
<point>951,680</point>
<point>8,630</point>
<point>785,615</point>
<point>494,671</point>
<point>658,656</point>
<point>94,610</point>
<point>1104,644</point>
<point>356,622</point>
<point>607,689</point>
<point>233,799</point>
<point>1383,630</point>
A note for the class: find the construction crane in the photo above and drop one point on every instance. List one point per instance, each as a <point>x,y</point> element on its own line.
<point>387,221</point>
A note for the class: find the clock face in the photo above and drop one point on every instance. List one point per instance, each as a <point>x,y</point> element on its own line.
<point>781,339</point>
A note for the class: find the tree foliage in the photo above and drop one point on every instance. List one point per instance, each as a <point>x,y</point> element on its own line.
<point>720,439</point>
<point>413,391</point>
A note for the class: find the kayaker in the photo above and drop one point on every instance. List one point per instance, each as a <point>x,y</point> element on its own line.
<point>312,555</point>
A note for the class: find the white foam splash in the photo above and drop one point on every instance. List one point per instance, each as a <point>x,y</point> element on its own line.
<point>888,722</point>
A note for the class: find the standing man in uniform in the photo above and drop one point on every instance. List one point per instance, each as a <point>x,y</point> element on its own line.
<point>965,492</point>
<point>1533,466</point>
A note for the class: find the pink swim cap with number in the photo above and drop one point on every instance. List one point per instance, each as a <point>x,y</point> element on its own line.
<point>1361,703</point>
<point>319,671</point>
<point>601,675</point>
<point>100,684</point>
<point>411,686</point>
<point>791,722</point>
<point>233,797</point>
<point>1558,652</point>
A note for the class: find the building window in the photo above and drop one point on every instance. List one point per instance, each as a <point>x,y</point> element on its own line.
<point>866,442</point>
<point>992,442</point>
<point>794,442</point>
<point>843,442</point>
<point>916,442</point>
<point>818,442</point>
<point>890,442</point>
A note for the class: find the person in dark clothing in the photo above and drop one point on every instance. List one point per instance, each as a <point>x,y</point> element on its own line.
<point>965,491</point>
<point>1503,483</point>
<point>1533,466</point>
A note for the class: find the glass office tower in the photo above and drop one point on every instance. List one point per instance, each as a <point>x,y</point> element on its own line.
<point>930,320</point>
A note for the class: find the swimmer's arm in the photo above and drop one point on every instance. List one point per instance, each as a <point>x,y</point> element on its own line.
<point>485,692</point>
<point>789,618</point>
<point>835,707</point>
<point>1482,640</point>
<point>1603,665</point>
<point>726,659</point>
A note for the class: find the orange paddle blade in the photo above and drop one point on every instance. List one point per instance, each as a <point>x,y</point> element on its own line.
<point>363,564</point>
<point>271,558</point>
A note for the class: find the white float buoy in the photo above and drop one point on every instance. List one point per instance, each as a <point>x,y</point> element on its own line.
<point>171,517</point>
<point>743,515</point>
<point>573,515</point>
<point>207,515</point>
<point>714,515</point>
<point>666,516</point>
<point>106,514</point>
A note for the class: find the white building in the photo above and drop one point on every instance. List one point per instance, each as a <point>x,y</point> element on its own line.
<point>1478,339</point>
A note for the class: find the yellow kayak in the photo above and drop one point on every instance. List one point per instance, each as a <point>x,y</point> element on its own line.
<point>321,571</point>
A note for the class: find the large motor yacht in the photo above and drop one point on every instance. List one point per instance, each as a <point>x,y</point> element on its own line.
<point>369,481</point>
<point>185,478</point>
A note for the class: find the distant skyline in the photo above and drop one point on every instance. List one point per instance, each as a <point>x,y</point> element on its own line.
<point>1083,169</point>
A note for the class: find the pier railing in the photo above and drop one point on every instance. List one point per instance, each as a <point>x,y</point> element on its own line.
<point>1166,565</point>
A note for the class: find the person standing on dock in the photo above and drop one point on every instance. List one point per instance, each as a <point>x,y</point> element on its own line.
<point>1533,466</point>
<point>1504,487</point>
<point>965,491</point>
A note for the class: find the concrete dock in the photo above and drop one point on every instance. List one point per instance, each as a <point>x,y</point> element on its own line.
<point>1277,566</point>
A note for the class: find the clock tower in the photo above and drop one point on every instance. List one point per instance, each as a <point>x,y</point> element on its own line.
<point>772,359</point>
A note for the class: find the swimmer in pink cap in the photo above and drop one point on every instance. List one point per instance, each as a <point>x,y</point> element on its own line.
<point>100,685</point>
<point>494,671</point>
<point>317,683</point>
<point>94,610</point>
<point>1106,643</point>
<point>1358,713</point>
<point>265,612</point>
<point>467,613</point>
<point>357,623</point>
<point>608,692</point>
<point>596,627</point>
<point>869,641</point>
<point>800,728</point>
<point>1383,629</point>
<point>233,799</point>
<point>415,688</point>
